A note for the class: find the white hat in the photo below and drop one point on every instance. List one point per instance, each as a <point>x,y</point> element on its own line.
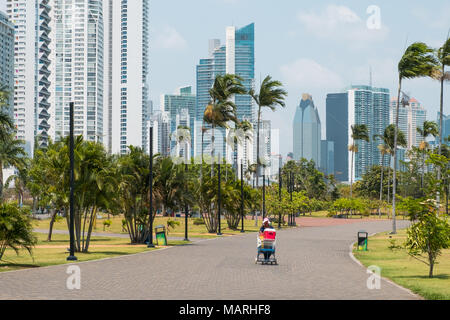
<point>266,220</point>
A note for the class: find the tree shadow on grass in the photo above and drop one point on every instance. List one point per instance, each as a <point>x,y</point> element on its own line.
<point>10,264</point>
<point>423,276</point>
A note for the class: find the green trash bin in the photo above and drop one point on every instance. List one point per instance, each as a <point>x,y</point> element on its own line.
<point>363,238</point>
<point>161,237</point>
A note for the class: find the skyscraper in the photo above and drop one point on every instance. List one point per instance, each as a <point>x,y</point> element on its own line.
<point>181,108</point>
<point>7,59</point>
<point>130,71</point>
<point>359,105</point>
<point>337,132</point>
<point>411,117</point>
<point>31,19</point>
<point>445,129</point>
<point>83,55</point>
<point>237,56</point>
<point>78,70</point>
<point>307,131</point>
<point>368,106</point>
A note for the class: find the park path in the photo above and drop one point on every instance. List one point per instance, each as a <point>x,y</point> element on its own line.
<point>314,263</point>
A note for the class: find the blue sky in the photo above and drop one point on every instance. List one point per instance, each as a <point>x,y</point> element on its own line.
<point>313,47</point>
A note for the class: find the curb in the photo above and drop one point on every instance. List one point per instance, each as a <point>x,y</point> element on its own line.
<point>383,278</point>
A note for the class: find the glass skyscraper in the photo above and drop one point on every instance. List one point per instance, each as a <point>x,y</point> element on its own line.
<point>307,131</point>
<point>237,56</point>
<point>360,105</point>
<point>337,132</point>
<point>181,109</point>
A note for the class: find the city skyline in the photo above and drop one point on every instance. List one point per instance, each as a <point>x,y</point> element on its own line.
<point>176,44</point>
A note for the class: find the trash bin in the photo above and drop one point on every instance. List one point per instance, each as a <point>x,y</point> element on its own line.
<point>161,237</point>
<point>363,238</point>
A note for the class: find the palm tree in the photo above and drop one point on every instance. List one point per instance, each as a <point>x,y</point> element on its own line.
<point>359,132</point>
<point>384,150</point>
<point>239,136</point>
<point>6,123</point>
<point>11,154</point>
<point>428,128</point>
<point>270,96</point>
<point>417,61</point>
<point>20,179</point>
<point>221,110</point>
<point>443,57</point>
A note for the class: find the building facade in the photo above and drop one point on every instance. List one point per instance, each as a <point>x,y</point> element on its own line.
<point>31,19</point>
<point>337,132</point>
<point>7,60</point>
<point>77,74</point>
<point>236,56</point>
<point>307,131</point>
<point>181,108</point>
<point>79,51</point>
<point>130,74</point>
<point>411,117</point>
<point>445,128</point>
<point>359,105</point>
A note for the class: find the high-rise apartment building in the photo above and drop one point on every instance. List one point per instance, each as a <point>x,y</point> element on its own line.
<point>307,131</point>
<point>368,106</point>
<point>77,74</point>
<point>7,60</point>
<point>80,51</point>
<point>359,105</point>
<point>237,56</point>
<point>181,108</point>
<point>411,117</point>
<point>130,72</point>
<point>31,19</point>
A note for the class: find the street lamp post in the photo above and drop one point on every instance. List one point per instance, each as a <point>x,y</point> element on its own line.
<point>264,196</point>
<point>280,184</point>
<point>242,196</point>
<point>218,201</point>
<point>291,222</point>
<point>186,212</point>
<point>150,243</point>
<point>72,256</point>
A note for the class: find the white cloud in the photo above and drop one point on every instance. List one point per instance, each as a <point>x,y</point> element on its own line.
<point>170,38</point>
<point>307,74</point>
<point>341,23</point>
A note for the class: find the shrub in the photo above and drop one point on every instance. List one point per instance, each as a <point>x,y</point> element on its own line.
<point>199,222</point>
<point>16,230</point>
<point>107,224</point>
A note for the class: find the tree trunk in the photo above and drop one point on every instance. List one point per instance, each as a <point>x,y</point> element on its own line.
<point>394,187</point>
<point>381,184</point>
<point>1,181</point>
<point>351,174</point>
<point>441,117</point>
<point>52,221</point>
<point>258,172</point>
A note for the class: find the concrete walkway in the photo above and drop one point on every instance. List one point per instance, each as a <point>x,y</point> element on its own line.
<point>314,263</point>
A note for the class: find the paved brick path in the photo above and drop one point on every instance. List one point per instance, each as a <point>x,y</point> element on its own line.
<point>314,263</point>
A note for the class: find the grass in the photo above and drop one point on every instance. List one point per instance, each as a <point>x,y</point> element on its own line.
<point>195,231</point>
<point>55,252</point>
<point>406,271</point>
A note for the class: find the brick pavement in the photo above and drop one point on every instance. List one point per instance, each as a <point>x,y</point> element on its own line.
<point>314,263</point>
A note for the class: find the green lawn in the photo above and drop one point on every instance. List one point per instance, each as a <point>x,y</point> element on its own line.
<point>101,247</point>
<point>405,270</point>
<point>195,231</point>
